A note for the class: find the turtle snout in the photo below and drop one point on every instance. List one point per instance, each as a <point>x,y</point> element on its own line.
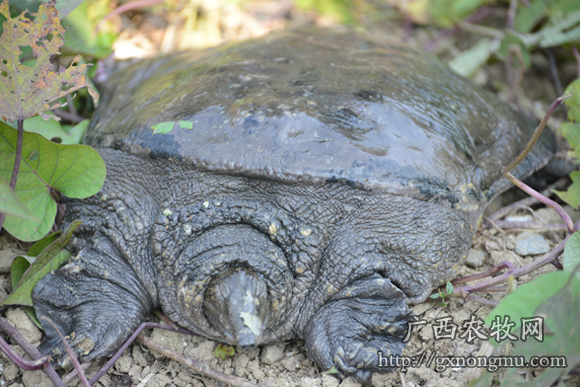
<point>237,304</point>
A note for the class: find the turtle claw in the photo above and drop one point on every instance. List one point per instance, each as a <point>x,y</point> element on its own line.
<point>347,334</point>
<point>95,310</point>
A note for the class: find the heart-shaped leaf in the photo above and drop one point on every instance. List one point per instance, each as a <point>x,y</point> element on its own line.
<point>77,171</point>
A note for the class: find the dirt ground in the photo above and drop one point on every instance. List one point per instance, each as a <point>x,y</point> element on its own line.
<point>286,364</point>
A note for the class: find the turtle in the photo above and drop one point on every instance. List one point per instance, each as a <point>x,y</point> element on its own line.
<point>311,184</point>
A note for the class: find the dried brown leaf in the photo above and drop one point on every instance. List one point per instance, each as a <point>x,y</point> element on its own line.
<point>26,91</point>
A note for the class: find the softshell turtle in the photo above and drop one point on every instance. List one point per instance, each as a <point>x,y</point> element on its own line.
<point>308,184</point>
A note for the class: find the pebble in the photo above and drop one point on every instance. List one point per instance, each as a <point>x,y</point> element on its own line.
<point>10,373</point>
<point>123,365</point>
<point>529,243</point>
<point>475,258</point>
<point>272,354</point>
<point>6,258</point>
<point>309,382</point>
<point>36,379</point>
<point>254,368</point>
<point>350,382</point>
<point>19,318</point>
<point>329,381</point>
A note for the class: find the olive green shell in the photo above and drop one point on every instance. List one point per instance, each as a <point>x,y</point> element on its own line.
<point>319,105</point>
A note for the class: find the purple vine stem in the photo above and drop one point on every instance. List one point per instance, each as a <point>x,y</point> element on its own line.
<point>464,291</point>
<point>577,56</point>
<point>506,170</point>
<point>30,350</point>
<point>70,353</point>
<point>118,354</point>
<point>503,265</point>
<point>28,365</point>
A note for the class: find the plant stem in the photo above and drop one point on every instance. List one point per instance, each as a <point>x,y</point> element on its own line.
<point>30,350</point>
<point>464,291</point>
<point>197,366</point>
<point>549,202</point>
<point>536,135</point>
<point>17,158</point>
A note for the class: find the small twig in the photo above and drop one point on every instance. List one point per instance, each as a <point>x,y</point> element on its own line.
<point>30,350</point>
<point>75,362</point>
<point>494,225</point>
<point>503,265</point>
<point>482,300</point>
<point>549,202</point>
<point>479,29</point>
<point>197,366</point>
<point>529,201</point>
<point>495,289</point>
<point>73,374</point>
<point>512,13</point>
<point>506,224</point>
<point>166,319</point>
<point>554,71</point>
<point>132,338</point>
<point>515,272</point>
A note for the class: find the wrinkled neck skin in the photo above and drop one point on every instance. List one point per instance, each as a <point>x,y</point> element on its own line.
<point>250,261</point>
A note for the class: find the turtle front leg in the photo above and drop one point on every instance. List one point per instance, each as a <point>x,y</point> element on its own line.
<point>348,332</point>
<point>96,301</point>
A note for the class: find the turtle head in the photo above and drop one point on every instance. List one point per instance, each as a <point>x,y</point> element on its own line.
<point>231,283</point>
<point>237,304</point>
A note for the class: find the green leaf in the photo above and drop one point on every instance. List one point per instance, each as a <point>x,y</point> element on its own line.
<point>331,371</point>
<point>223,351</point>
<point>571,131</point>
<point>561,341</point>
<point>19,266</point>
<point>10,205</point>
<point>168,126</point>
<point>564,30</point>
<point>52,130</point>
<point>80,35</point>
<point>77,171</point>
<point>523,301</point>
<point>506,44</point>
<point>448,12</point>
<point>571,256</point>
<point>469,61</point>
<point>574,102</point>
<point>163,127</point>
<point>42,244</point>
<point>27,90</point>
<point>186,124</point>
<point>449,288</point>
<point>572,196</point>
<point>528,17</point>
<point>50,259</point>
